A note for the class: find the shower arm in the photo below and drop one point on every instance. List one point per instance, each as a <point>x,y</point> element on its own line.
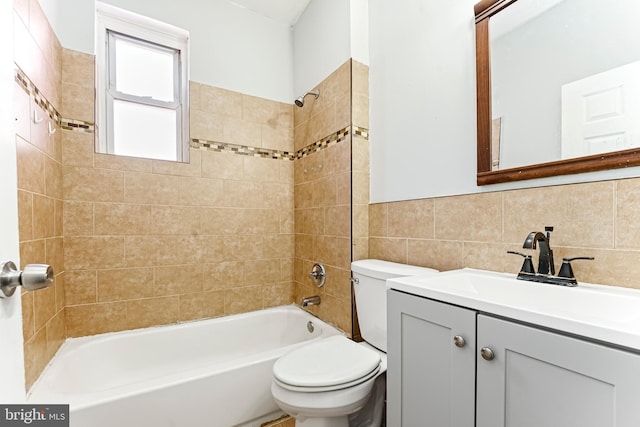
<point>300,100</point>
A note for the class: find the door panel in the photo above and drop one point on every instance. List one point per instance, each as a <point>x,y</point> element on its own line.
<point>600,112</point>
<point>12,381</point>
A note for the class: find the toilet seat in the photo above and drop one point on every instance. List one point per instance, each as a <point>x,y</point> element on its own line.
<point>306,389</point>
<point>328,364</point>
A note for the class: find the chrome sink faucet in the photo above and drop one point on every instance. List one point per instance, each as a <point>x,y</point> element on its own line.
<point>545,259</point>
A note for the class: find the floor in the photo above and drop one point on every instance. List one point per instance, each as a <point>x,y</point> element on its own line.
<point>284,421</point>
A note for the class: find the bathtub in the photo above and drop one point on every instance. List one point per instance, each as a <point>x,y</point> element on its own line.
<point>214,373</point>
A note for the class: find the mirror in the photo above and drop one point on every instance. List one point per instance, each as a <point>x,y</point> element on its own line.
<point>558,87</point>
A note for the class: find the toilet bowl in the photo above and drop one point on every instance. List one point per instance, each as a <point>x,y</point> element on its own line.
<point>322,383</point>
<point>329,382</point>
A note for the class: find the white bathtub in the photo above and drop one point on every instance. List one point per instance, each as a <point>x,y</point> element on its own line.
<point>213,373</point>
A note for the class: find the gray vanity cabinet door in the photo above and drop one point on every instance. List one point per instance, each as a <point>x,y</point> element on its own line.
<point>540,378</point>
<point>430,379</point>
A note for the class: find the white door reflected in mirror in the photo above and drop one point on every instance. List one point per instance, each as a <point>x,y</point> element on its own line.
<point>600,112</point>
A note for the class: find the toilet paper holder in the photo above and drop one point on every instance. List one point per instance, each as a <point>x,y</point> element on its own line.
<point>32,278</point>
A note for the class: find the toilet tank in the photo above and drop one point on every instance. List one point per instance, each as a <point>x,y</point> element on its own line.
<point>369,276</point>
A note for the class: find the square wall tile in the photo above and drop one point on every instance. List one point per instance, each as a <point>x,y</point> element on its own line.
<point>31,167</point>
<point>143,313</point>
<point>77,148</point>
<point>470,218</point>
<point>627,222</point>
<point>241,300</point>
<point>125,284</point>
<point>177,280</point>
<point>121,219</point>
<point>98,185</point>
<point>78,218</point>
<point>220,101</point>
<point>84,253</point>
<point>581,214</point>
<point>94,319</point>
<point>81,287</point>
<point>78,102</point>
<point>388,249</point>
<point>124,163</point>
<point>414,218</point>
<point>201,305</point>
<point>78,68</point>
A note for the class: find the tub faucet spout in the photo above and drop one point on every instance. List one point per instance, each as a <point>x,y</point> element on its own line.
<point>314,300</point>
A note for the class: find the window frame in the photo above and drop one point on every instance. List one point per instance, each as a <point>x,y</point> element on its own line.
<point>112,23</point>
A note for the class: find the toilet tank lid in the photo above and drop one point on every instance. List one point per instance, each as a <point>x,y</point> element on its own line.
<point>385,269</point>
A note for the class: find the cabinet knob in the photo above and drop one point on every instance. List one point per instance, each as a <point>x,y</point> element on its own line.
<point>487,353</point>
<point>459,341</point>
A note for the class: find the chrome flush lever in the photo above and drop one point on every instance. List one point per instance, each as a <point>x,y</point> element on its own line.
<point>32,278</point>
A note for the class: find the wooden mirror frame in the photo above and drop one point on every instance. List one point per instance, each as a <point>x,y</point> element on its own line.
<point>613,160</point>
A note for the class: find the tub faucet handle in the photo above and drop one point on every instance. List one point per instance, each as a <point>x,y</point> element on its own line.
<point>318,275</point>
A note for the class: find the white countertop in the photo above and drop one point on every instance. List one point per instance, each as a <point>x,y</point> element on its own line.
<point>605,313</point>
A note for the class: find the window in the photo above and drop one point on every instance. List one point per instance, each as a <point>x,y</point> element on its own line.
<point>141,86</point>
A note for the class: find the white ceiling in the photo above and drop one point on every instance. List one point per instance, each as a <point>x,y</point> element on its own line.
<point>286,11</point>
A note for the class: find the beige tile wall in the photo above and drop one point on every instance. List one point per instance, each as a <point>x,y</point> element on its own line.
<point>323,199</point>
<point>143,242</point>
<point>360,161</point>
<point>593,219</point>
<point>359,173</point>
<point>37,50</point>
<point>327,114</point>
<point>39,157</point>
<point>225,116</point>
<point>151,242</point>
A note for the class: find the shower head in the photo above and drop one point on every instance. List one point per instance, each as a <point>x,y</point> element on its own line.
<point>300,100</point>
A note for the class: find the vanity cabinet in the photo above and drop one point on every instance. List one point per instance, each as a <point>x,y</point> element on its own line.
<point>543,378</point>
<point>507,374</point>
<point>430,379</point>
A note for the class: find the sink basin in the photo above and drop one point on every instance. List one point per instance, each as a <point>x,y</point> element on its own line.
<point>604,313</point>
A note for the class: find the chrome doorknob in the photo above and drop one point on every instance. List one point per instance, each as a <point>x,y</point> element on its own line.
<point>32,278</point>
<point>459,341</point>
<point>487,353</point>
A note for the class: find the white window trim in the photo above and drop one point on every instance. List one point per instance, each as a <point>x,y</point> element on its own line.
<point>110,18</point>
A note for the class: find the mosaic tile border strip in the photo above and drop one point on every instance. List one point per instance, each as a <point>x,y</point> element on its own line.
<point>79,125</point>
<point>326,142</point>
<point>245,150</point>
<point>266,153</point>
<point>360,132</point>
<point>30,88</point>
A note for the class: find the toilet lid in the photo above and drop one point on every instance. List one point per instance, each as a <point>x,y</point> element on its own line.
<point>307,389</point>
<point>327,362</point>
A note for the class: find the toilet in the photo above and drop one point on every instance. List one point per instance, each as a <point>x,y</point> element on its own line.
<point>336,382</point>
